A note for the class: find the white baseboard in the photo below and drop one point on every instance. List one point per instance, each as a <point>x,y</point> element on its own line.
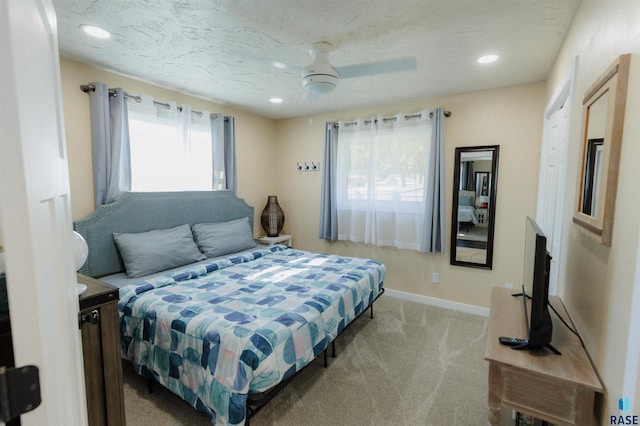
<point>441,303</point>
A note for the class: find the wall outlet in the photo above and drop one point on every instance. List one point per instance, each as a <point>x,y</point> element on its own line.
<point>507,285</point>
<point>435,277</point>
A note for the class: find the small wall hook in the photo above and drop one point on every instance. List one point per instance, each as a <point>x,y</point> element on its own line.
<point>308,166</point>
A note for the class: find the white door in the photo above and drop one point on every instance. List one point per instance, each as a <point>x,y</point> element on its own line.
<point>553,174</point>
<point>35,212</point>
<point>552,169</point>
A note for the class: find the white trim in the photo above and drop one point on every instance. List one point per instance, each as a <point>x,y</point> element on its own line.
<point>562,98</point>
<point>562,92</point>
<point>633,343</point>
<point>441,303</point>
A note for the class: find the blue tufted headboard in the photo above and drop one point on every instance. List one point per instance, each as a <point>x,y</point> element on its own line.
<point>145,211</point>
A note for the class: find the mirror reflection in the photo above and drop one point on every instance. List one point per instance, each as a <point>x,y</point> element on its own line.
<point>593,170</point>
<point>473,206</point>
<point>597,113</point>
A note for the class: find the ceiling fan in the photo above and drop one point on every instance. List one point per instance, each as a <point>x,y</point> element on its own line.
<point>320,77</point>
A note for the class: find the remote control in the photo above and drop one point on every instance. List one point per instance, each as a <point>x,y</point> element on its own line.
<point>512,341</point>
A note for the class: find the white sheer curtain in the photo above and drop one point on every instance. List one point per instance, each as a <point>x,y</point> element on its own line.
<point>382,170</point>
<point>171,147</point>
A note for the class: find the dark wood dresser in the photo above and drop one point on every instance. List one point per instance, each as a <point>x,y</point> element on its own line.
<point>6,346</point>
<point>6,349</point>
<point>101,352</point>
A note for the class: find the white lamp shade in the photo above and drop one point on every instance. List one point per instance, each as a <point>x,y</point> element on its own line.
<point>80,250</point>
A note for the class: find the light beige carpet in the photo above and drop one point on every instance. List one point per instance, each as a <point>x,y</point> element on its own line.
<point>413,364</point>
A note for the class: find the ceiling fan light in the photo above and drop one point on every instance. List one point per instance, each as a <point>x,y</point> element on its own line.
<point>320,84</point>
<point>320,88</point>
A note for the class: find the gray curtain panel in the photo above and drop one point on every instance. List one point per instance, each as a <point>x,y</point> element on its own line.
<point>467,177</point>
<point>226,126</point>
<point>432,239</point>
<point>110,144</point>
<point>328,210</point>
<point>230,153</point>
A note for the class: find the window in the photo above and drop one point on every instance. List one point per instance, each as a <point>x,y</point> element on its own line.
<point>171,148</point>
<point>384,164</point>
<point>382,172</point>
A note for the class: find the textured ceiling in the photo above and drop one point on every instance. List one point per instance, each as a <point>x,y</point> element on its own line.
<point>223,51</point>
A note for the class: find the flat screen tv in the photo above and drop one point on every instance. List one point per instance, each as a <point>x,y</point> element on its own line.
<point>537,262</point>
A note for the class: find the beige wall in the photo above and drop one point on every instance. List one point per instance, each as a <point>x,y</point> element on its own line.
<point>598,280</point>
<point>255,136</point>
<point>510,117</point>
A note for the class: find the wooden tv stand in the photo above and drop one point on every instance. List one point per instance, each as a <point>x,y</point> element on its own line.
<point>559,389</point>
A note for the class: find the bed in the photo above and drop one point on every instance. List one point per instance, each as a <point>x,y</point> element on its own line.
<point>467,217</point>
<point>227,331</point>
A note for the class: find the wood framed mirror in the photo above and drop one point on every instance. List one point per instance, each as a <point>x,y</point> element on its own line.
<point>601,139</point>
<point>475,181</point>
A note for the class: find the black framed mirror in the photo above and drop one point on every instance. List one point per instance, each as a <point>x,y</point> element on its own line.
<point>592,175</point>
<point>473,213</point>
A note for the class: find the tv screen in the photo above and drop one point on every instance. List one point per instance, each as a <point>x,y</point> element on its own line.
<point>536,279</point>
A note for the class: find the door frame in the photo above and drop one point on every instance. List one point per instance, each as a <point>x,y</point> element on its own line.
<point>562,98</point>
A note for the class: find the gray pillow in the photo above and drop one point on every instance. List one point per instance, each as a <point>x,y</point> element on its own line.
<point>147,252</point>
<point>465,200</point>
<point>217,239</point>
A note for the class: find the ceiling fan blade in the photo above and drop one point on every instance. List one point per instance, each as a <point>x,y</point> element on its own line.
<point>373,68</point>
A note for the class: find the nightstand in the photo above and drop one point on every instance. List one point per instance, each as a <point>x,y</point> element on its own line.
<point>482,215</point>
<point>269,241</point>
<point>101,353</point>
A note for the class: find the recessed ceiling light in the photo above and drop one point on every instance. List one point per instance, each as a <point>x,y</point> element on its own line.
<point>275,100</point>
<point>487,59</point>
<point>279,64</point>
<point>96,32</point>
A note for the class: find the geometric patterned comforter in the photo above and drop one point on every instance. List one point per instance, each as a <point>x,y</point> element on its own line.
<point>216,332</point>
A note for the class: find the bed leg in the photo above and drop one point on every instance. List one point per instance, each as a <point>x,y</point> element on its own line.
<point>150,386</point>
<point>371,316</point>
<point>326,364</point>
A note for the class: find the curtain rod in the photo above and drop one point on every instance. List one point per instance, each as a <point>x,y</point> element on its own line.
<point>90,87</point>
<point>385,119</point>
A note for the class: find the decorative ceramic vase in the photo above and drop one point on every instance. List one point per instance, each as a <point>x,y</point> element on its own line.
<point>272,218</point>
